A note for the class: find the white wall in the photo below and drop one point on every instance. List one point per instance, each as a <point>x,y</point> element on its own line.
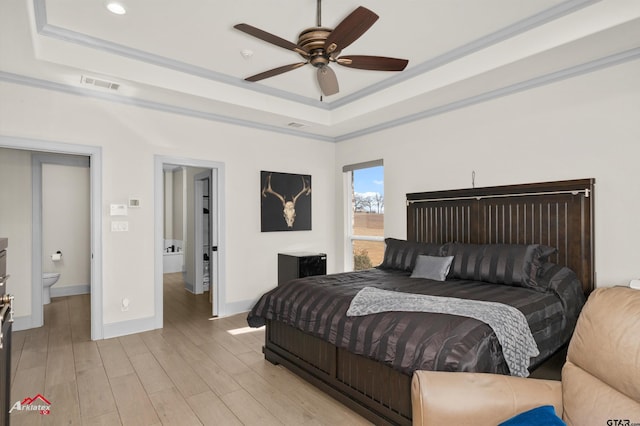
<point>168,204</point>
<point>586,127</point>
<point>178,203</point>
<point>15,224</point>
<point>174,204</point>
<point>130,137</point>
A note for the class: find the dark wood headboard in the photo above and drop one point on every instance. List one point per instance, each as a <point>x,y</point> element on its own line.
<point>557,214</point>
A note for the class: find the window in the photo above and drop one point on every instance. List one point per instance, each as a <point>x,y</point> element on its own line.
<point>365,215</point>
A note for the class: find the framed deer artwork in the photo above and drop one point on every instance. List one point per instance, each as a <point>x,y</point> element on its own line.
<point>285,201</point>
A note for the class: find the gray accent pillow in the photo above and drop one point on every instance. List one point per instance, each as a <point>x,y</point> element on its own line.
<point>432,267</point>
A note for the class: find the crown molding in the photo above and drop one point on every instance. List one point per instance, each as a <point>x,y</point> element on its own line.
<point>575,71</point>
<point>571,72</point>
<point>157,106</point>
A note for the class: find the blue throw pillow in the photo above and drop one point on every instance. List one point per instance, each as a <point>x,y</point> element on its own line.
<point>539,416</point>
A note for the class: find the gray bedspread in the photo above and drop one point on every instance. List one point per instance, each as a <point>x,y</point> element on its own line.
<point>508,323</point>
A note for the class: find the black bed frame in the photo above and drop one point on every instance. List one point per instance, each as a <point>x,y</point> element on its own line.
<point>558,214</point>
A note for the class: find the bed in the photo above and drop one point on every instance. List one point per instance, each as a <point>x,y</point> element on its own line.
<point>543,232</point>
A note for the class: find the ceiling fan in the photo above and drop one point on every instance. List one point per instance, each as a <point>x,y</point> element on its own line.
<point>319,46</point>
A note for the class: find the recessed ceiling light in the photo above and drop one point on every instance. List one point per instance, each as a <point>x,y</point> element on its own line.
<point>116,8</point>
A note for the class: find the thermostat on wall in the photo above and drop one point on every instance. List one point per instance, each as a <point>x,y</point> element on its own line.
<point>118,209</point>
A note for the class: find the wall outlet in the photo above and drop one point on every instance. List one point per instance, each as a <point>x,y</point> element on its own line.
<point>119,226</point>
<point>125,304</point>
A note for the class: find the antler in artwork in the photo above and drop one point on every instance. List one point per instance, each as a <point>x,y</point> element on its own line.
<point>289,207</point>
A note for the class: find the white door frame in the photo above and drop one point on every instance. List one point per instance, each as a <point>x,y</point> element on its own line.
<point>95,174</point>
<point>218,169</point>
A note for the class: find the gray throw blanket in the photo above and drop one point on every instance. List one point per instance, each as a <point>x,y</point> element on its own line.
<point>508,323</point>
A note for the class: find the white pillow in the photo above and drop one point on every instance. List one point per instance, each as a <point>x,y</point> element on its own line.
<point>432,267</point>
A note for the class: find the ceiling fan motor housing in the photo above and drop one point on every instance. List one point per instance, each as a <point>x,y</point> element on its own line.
<point>312,41</point>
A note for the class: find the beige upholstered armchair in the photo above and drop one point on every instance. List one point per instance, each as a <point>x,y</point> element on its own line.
<point>600,379</point>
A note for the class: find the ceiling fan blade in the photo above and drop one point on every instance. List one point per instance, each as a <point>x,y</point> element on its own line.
<point>269,38</point>
<point>328,81</point>
<point>375,63</point>
<point>275,71</point>
<point>350,29</point>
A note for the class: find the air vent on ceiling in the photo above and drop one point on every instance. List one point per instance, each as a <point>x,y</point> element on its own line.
<point>97,82</point>
<point>295,125</point>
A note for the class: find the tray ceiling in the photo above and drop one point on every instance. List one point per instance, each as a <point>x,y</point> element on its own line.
<point>186,57</point>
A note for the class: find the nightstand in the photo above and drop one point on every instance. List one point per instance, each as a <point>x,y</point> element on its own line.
<point>300,264</point>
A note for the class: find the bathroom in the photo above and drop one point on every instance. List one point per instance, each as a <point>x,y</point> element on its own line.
<point>50,198</point>
<point>66,224</point>
<point>189,230</point>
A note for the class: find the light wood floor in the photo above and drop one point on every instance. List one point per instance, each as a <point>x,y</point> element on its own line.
<point>196,370</point>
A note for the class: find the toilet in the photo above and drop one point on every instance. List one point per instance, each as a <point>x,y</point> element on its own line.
<point>48,279</point>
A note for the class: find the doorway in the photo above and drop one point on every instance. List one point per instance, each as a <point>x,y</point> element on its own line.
<point>61,217</point>
<point>94,154</point>
<point>203,185</point>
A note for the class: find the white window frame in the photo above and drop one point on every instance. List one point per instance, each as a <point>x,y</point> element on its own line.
<point>347,172</point>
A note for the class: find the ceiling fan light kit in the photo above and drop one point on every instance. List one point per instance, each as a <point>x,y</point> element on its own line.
<point>319,46</point>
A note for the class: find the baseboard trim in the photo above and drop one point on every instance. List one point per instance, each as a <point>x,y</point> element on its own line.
<point>189,287</point>
<point>139,325</point>
<point>116,329</point>
<point>123,328</point>
<point>71,290</point>
<point>23,323</point>
<point>238,307</point>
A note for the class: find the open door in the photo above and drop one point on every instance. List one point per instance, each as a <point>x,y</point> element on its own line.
<point>213,255</point>
<point>212,173</point>
<point>206,235</point>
